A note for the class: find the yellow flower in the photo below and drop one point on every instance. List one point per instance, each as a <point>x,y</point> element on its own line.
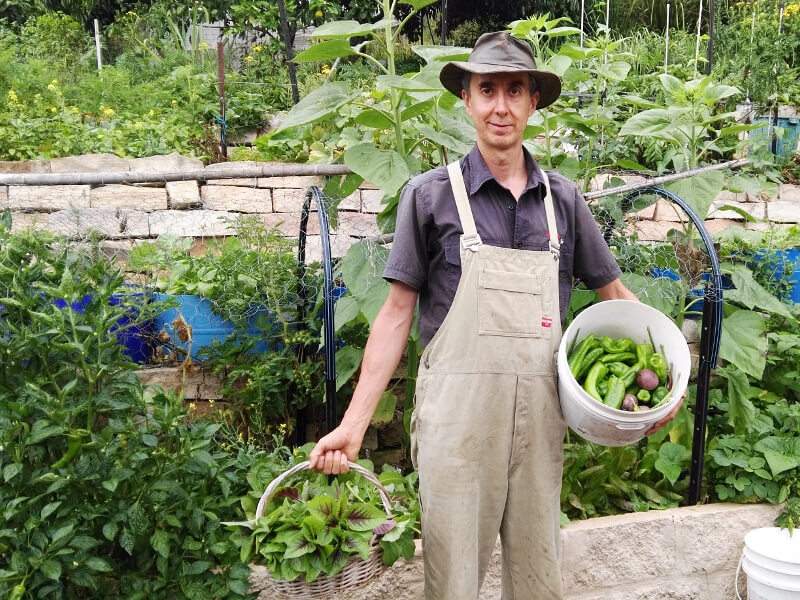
<point>174,102</point>
<point>106,111</point>
<point>192,406</point>
<point>326,70</point>
<point>53,85</point>
<point>152,113</point>
<point>13,99</point>
<point>258,48</point>
<point>791,9</point>
<point>53,109</point>
<point>211,403</point>
<point>248,58</point>
<point>202,45</point>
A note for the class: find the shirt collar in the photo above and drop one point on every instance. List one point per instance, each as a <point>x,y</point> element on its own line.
<point>479,172</point>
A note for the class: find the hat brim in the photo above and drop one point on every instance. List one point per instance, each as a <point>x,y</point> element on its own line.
<point>547,84</point>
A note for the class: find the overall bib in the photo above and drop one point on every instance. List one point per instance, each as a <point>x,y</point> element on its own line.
<point>487,428</point>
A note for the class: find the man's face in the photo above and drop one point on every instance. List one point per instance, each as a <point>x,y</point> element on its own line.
<point>500,105</point>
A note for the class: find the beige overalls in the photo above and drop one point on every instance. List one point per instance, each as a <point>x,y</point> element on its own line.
<point>487,429</point>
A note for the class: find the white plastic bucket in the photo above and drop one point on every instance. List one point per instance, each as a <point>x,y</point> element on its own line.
<point>771,561</point>
<point>594,420</point>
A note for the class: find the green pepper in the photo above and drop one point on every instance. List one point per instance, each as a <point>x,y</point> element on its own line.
<point>615,393</point>
<point>617,368</point>
<point>73,447</point>
<point>613,346</point>
<point>659,366</point>
<point>602,387</point>
<point>579,354</point>
<point>659,393</point>
<point>643,396</point>
<point>593,378</point>
<point>660,396</point>
<point>643,354</point>
<point>619,357</point>
<point>588,361</point>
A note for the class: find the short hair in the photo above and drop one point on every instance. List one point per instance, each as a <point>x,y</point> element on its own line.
<point>467,78</point>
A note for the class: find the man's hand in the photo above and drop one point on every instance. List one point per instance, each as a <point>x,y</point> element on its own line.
<point>332,452</point>
<point>661,423</point>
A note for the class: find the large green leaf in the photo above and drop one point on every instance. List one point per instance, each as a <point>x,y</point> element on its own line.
<point>374,118</point>
<point>671,458</point>
<point>699,191</point>
<point>160,542</point>
<point>385,168</point>
<point>297,545</point>
<point>782,454</point>
<point>661,293</point>
<point>319,104</point>
<point>442,53</point>
<point>744,342</point>
<point>657,122</point>
<point>418,4</point>
<point>328,50</point>
<point>558,64</point>
<point>672,84</point>
<point>356,543</point>
<point>345,310</point>
<point>384,413</point>
<point>348,359</point>
<point>442,139</point>
<point>750,293</point>
<point>615,71</point>
<point>364,517</point>
<point>51,569</point>
<point>406,84</point>
<point>347,29</point>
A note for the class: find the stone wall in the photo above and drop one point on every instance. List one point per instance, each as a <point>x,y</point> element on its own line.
<point>688,553</point>
<point>128,214</point>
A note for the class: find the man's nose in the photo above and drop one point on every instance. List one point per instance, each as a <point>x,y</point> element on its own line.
<point>502,103</point>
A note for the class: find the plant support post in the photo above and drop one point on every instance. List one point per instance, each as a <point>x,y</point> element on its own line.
<point>666,42</point>
<point>97,45</point>
<point>710,36</point>
<point>223,124</point>
<point>287,42</point>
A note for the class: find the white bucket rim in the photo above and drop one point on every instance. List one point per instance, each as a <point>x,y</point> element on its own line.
<point>768,577</point>
<point>774,544</point>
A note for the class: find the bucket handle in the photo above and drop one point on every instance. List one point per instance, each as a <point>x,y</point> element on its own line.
<point>738,571</point>
<point>629,426</point>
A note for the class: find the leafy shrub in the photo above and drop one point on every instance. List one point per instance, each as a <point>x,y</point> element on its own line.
<point>108,490</point>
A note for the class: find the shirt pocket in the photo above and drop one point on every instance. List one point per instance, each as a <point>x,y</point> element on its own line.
<point>510,304</point>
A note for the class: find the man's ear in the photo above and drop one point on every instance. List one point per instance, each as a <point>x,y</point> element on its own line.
<point>534,102</point>
<point>465,98</point>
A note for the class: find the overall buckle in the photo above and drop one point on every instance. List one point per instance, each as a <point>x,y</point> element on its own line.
<point>471,243</point>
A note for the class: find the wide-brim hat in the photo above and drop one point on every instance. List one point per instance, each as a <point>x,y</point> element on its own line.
<point>500,52</point>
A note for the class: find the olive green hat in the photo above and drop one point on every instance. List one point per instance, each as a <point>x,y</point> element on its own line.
<point>500,52</point>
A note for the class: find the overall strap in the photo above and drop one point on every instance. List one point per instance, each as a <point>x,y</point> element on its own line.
<point>470,239</point>
<point>555,244</point>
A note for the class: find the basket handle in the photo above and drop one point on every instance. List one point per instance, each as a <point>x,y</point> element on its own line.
<point>273,486</point>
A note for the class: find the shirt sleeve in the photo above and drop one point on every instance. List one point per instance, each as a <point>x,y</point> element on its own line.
<point>594,263</point>
<point>408,260</point>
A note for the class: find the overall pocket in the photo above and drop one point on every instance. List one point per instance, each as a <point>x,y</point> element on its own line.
<point>510,304</point>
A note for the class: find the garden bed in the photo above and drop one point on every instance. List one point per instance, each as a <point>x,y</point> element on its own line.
<point>680,553</point>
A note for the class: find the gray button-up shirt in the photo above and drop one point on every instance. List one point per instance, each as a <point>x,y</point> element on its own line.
<point>425,251</point>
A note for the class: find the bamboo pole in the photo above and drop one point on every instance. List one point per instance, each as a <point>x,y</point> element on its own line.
<point>656,181</point>
<point>230,172</point>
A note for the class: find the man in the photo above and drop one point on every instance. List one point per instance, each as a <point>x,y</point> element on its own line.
<point>489,246</point>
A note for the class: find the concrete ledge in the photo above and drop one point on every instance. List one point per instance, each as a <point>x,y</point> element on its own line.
<point>682,553</point>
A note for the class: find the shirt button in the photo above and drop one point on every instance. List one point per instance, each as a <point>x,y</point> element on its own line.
<point>510,207</point>
<point>518,244</point>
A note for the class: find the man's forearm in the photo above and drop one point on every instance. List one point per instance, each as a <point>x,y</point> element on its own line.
<point>385,345</point>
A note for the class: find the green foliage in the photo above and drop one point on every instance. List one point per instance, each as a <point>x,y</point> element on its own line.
<point>314,528</point>
<point>108,490</point>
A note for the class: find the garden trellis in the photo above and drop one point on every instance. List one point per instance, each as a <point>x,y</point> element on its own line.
<point>308,298</point>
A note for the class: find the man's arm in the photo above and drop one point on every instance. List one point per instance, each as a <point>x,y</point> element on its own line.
<point>385,345</point>
<point>616,291</point>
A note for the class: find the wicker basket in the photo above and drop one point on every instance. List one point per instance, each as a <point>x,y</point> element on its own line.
<point>356,572</point>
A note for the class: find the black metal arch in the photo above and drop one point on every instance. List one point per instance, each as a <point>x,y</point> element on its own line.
<point>315,194</point>
<point>710,335</point>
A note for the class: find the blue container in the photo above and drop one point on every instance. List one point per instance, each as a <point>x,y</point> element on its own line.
<point>787,145</point>
<point>206,324</point>
<point>775,262</point>
<point>134,338</point>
